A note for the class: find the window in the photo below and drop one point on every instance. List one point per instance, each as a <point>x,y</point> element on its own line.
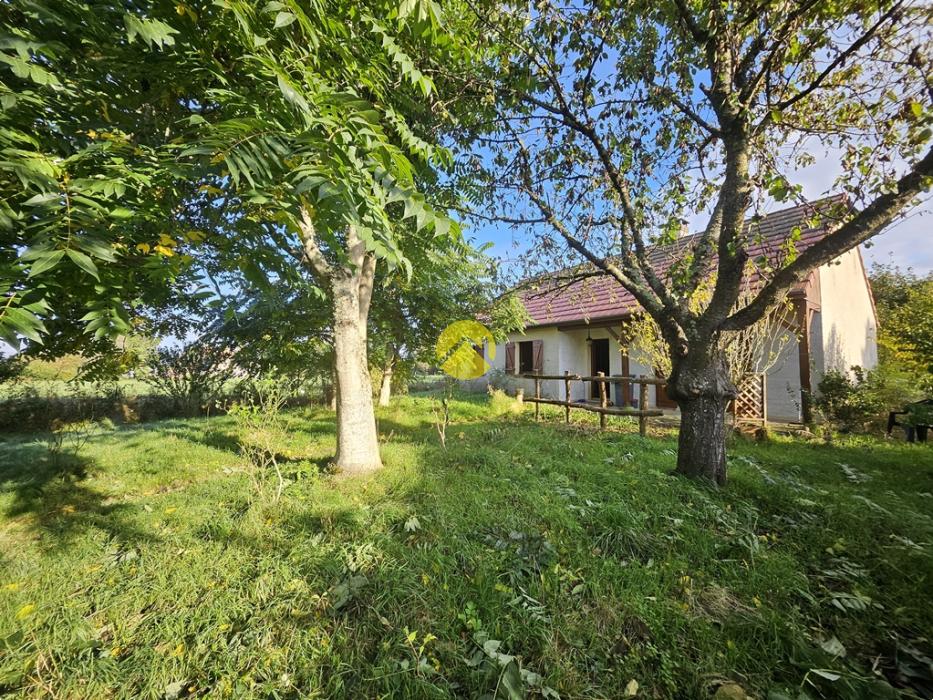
<point>526,357</point>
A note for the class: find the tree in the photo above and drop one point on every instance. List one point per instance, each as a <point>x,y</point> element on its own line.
<point>449,284</point>
<point>904,301</point>
<point>280,331</point>
<point>752,350</point>
<point>296,153</point>
<point>316,143</point>
<point>86,202</point>
<point>615,120</point>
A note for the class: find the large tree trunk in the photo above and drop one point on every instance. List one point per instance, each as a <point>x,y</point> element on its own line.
<point>703,390</point>
<point>357,440</point>
<point>385,388</point>
<point>351,286</point>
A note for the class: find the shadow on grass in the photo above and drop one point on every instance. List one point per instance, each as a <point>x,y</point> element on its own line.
<point>50,494</point>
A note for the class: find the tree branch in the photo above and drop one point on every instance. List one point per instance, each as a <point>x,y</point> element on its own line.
<point>367,282</point>
<point>867,223</point>
<point>841,58</point>
<point>313,255</point>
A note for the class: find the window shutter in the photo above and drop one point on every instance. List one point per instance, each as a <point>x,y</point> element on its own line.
<point>538,354</point>
<point>510,358</point>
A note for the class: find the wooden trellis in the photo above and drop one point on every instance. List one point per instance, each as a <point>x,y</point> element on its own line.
<point>751,403</point>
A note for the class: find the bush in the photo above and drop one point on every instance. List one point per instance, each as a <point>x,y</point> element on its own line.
<point>501,403</point>
<point>10,368</point>
<point>499,379</point>
<point>849,402</point>
<point>64,368</point>
<point>193,375</point>
<point>65,440</point>
<point>260,430</point>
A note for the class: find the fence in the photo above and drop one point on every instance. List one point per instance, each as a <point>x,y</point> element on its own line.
<point>603,409</point>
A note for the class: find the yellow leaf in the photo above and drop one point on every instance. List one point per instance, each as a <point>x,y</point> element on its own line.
<point>68,509</point>
<point>179,650</point>
<point>631,689</point>
<point>166,240</point>
<point>169,511</point>
<point>12,587</point>
<point>25,611</point>
<point>143,247</point>
<point>167,252</point>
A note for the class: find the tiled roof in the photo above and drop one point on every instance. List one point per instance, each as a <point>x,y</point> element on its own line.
<point>553,299</point>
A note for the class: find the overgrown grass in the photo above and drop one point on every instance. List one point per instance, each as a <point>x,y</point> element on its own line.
<point>147,567</point>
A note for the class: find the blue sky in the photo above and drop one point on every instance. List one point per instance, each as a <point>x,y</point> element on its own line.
<point>906,243</point>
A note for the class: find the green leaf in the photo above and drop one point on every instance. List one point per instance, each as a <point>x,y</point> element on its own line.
<point>84,262</point>
<point>42,199</point>
<point>153,32</point>
<point>99,250</point>
<point>826,673</point>
<point>283,19</point>
<point>46,262</point>
<point>23,322</point>
<point>511,681</point>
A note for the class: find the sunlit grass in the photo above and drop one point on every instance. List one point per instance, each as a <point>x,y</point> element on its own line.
<point>148,567</point>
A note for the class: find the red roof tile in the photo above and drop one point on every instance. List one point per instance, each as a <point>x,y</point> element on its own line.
<point>554,299</point>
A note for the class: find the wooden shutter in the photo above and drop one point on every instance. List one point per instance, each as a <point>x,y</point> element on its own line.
<point>538,355</point>
<point>510,358</point>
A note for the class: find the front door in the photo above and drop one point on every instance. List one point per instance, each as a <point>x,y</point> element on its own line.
<point>599,362</point>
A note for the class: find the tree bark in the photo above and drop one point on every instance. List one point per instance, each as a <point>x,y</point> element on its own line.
<point>385,388</point>
<point>701,448</point>
<point>702,388</point>
<point>357,439</point>
<point>351,287</point>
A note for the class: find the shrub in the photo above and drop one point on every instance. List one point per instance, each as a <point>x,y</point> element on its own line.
<point>10,368</point>
<point>918,414</point>
<point>849,402</point>
<point>193,375</point>
<point>501,380</point>
<point>501,403</point>
<point>259,429</point>
<point>65,440</point>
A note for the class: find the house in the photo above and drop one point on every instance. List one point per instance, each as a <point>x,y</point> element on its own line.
<point>575,325</point>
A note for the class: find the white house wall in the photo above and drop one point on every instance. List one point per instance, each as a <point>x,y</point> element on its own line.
<point>567,350</point>
<point>550,339</point>
<point>782,381</point>
<point>848,331</point>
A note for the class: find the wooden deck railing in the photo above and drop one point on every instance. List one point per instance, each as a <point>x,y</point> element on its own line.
<point>604,409</point>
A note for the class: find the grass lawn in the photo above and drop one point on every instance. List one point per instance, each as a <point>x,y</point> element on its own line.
<point>528,558</point>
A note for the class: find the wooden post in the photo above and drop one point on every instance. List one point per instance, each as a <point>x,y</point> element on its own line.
<point>764,399</point>
<point>567,394</point>
<point>642,406</point>
<point>520,397</point>
<point>602,400</point>
<point>537,396</point>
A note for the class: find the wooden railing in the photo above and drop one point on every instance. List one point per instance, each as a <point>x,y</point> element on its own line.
<point>604,409</point>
